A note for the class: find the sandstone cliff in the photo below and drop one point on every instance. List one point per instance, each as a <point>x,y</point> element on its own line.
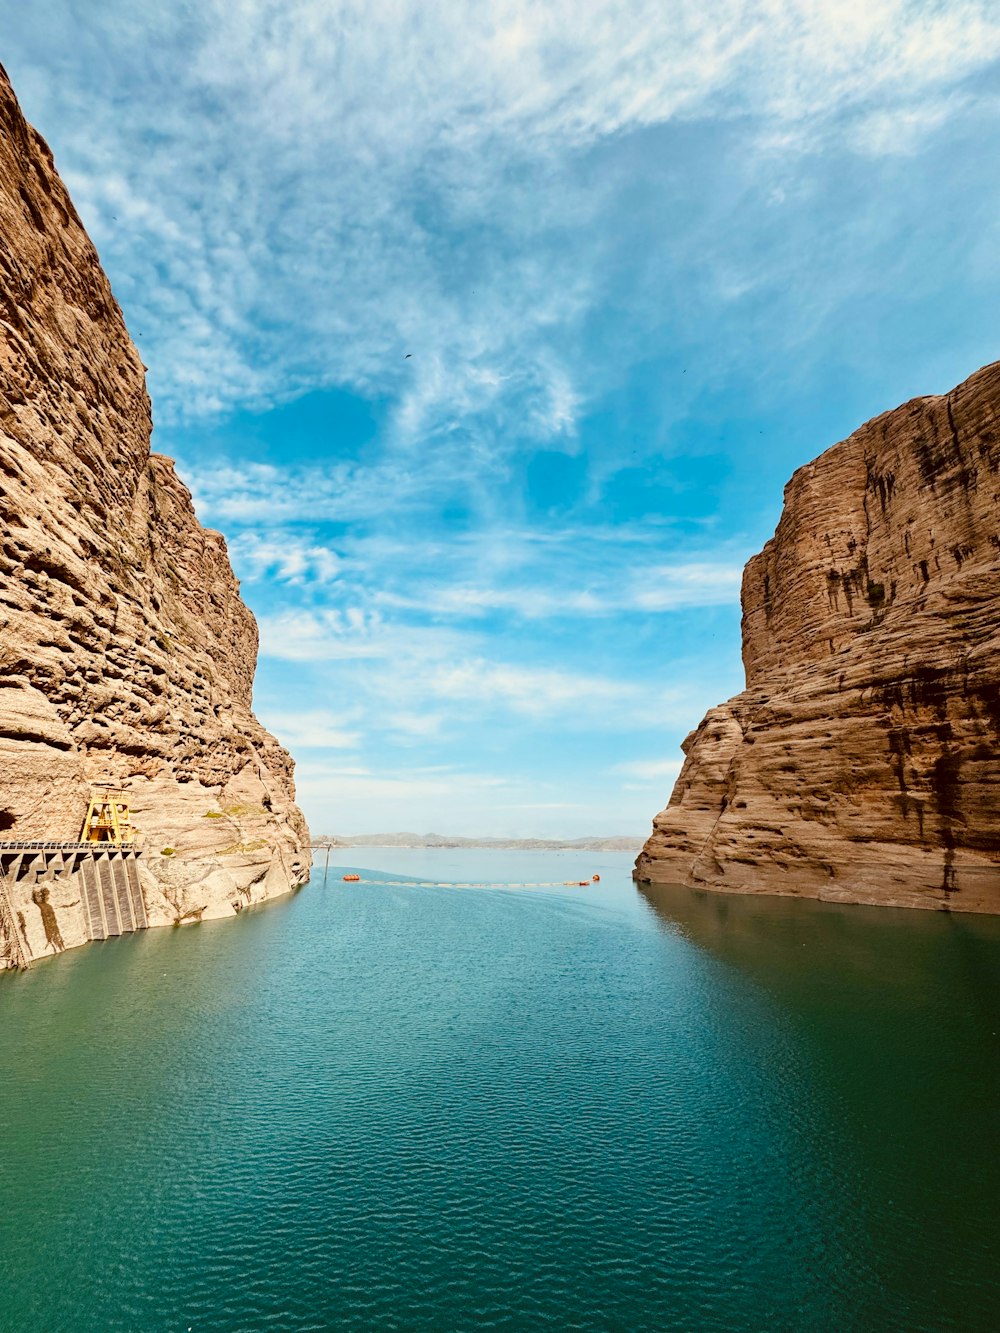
<point>126,653</point>
<point>862,762</point>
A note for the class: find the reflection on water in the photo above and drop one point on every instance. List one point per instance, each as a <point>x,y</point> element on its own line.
<point>897,1014</point>
<point>848,949</point>
<point>397,1107</point>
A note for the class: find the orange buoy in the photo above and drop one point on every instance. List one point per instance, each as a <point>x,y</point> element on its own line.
<point>352,879</point>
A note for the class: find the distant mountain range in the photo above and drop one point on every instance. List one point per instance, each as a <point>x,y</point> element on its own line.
<point>616,844</point>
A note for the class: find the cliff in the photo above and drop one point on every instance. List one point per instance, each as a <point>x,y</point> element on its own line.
<point>862,762</point>
<point>126,654</point>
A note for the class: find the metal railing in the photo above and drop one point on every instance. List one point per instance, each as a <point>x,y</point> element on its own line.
<point>39,845</point>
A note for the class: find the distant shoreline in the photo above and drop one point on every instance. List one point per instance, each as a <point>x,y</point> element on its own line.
<point>423,841</point>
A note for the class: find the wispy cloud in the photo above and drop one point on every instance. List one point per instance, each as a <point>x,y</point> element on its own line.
<point>565,254</point>
<point>351,634</point>
<point>354,787</point>
<point>258,202</point>
<point>284,558</point>
<point>251,492</point>
<point>557,576</point>
<point>535,692</point>
<point>349,799</point>
<point>654,771</point>
<point>316,728</point>
<point>409,671</point>
<point>901,130</point>
<point>700,583</point>
<point>653,589</point>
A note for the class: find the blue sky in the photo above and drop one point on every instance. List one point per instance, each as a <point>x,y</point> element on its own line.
<point>646,257</point>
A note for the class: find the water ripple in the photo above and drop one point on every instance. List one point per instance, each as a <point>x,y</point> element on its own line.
<point>411,1108</point>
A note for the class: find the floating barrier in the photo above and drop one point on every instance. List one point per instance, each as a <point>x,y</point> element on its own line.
<point>470,884</point>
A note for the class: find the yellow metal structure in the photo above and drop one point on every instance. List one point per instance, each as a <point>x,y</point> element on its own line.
<point>108,819</point>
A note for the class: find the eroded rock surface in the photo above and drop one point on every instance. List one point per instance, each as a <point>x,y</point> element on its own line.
<point>126,653</point>
<point>862,762</point>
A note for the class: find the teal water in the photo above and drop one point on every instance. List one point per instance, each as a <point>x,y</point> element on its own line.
<point>370,1107</point>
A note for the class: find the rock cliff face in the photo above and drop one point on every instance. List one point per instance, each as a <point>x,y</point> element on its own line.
<point>126,653</point>
<point>862,762</point>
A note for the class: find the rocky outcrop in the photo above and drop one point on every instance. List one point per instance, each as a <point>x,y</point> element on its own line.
<point>126,653</point>
<point>862,762</point>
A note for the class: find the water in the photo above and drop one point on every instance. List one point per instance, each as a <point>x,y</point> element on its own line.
<point>410,1108</point>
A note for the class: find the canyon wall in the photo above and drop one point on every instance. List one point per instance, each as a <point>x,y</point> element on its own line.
<point>126,654</point>
<point>862,762</point>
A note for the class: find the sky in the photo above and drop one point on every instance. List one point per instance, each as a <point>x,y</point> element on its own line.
<point>489,333</point>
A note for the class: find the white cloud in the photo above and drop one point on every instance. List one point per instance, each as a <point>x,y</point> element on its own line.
<point>283,557</point>
<point>315,728</point>
<point>543,805</point>
<point>701,583</point>
<point>292,194</point>
<point>340,492</point>
<point>414,727</point>
<point>903,130</point>
<point>463,601</point>
<point>273,197</point>
<point>653,771</point>
<point>532,691</point>
<point>408,668</point>
<point>351,634</point>
<point>554,574</point>
<point>653,589</point>
<point>346,799</point>
<point>398,791</point>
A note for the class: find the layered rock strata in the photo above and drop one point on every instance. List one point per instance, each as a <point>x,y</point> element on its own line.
<point>126,654</point>
<point>862,762</point>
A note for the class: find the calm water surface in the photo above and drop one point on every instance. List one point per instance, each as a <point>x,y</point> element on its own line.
<point>373,1107</point>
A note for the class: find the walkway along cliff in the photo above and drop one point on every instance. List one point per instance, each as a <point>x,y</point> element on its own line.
<point>862,762</point>
<point>126,654</point>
